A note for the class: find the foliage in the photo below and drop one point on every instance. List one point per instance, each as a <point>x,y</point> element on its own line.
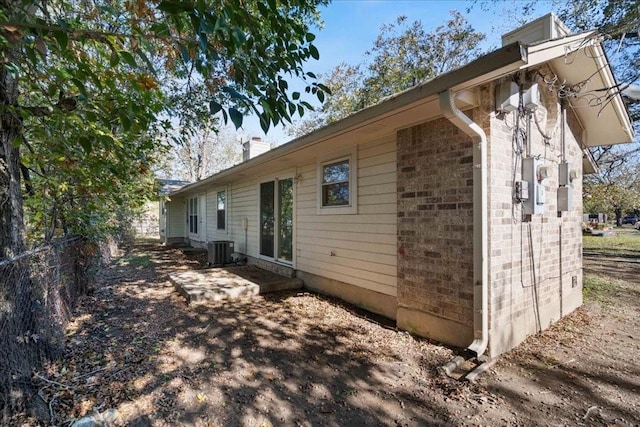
<point>403,55</point>
<point>86,117</point>
<point>204,153</point>
<point>611,198</point>
<point>347,93</point>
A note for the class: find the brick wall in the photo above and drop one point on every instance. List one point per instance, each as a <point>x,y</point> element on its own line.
<point>435,232</point>
<point>535,267</point>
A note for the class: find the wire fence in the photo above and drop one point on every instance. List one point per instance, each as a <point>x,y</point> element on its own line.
<point>38,290</point>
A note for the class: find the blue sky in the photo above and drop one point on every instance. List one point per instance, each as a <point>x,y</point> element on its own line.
<point>351,27</point>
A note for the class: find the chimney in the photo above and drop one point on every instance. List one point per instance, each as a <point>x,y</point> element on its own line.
<point>254,147</point>
<point>548,27</point>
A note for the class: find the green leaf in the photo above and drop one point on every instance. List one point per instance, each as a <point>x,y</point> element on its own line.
<point>295,96</point>
<point>214,107</point>
<point>174,7</point>
<point>310,37</point>
<point>236,117</point>
<point>314,53</point>
<point>234,94</point>
<point>128,58</point>
<point>62,38</point>
<point>320,96</point>
<point>324,88</point>
<point>114,59</point>
<point>80,85</point>
<point>126,121</point>
<point>264,123</point>
<point>85,143</point>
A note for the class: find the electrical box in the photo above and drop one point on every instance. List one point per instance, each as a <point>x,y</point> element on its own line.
<point>507,96</point>
<point>564,177</point>
<point>531,96</point>
<point>534,172</point>
<point>565,199</point>
<point>522,191</point>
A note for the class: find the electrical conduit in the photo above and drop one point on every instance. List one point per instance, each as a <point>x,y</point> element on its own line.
<point>480,226</point>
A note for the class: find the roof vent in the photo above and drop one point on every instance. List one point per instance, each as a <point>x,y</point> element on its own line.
<point>548,27</point>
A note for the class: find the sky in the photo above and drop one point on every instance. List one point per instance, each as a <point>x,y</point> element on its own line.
<point>351,27</point>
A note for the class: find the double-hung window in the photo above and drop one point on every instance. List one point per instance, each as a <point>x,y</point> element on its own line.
<point>337,185</point>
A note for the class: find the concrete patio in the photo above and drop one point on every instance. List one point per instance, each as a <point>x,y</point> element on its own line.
<point>217,284</point>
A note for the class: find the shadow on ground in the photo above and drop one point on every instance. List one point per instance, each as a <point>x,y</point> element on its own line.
<point>296,358</point>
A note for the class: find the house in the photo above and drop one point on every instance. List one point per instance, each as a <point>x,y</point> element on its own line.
<point>454,207</point>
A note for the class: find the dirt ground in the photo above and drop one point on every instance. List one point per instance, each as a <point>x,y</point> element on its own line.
<point>297,358</point>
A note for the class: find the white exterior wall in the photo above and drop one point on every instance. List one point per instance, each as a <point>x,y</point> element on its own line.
<point>364,244</point>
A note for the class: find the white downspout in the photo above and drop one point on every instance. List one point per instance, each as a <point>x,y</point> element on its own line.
<point>480,221</point>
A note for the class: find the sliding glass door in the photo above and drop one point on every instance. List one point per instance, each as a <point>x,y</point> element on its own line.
<point>267,218</point>
<point>276,219</point>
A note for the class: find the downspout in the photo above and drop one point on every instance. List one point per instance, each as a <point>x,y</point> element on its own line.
<point>480,221</point>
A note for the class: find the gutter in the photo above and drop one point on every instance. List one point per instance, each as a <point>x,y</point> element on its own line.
<point>480,226</point>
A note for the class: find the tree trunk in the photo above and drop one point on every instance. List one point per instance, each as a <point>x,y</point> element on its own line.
<point>12,239</point>
<point>618,212</point>
<point>18,357</point>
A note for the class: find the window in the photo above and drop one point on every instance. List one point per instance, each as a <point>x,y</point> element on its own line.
<point>193,215</point>
<point>337,185</point>
<point>222,209</point>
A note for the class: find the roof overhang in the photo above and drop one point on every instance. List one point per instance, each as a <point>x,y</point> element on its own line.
<point>604,124</point>
<point>598,104</point>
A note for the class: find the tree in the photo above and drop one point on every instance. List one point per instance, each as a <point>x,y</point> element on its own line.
<point>88,77</point>
<point>403,55</point>
<point>347,95</point>
<point>611,198</point>
<point>80,104</point>
<point>203,153</point>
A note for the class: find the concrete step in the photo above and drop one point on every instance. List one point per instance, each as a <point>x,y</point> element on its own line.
<point>217,284</point>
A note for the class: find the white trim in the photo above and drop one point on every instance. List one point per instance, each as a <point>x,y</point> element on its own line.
<point>275,178</point>
<point>193,236</point>
<point>224,230</point>
<point>352,208</point>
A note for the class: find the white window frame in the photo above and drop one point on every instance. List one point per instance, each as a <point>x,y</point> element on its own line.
<point>289,174</point>
<point>226,211</point>
<point>195,215</point>
<point>352,207</point>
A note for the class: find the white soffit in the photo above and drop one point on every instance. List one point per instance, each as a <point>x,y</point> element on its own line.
<point>598,105</point>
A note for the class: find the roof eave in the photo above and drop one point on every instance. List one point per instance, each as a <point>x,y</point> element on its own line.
<point>485,68</point>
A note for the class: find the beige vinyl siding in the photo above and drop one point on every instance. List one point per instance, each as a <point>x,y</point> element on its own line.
<point>212,216</point>
<point>242,202</point>
<point>356,249</point>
